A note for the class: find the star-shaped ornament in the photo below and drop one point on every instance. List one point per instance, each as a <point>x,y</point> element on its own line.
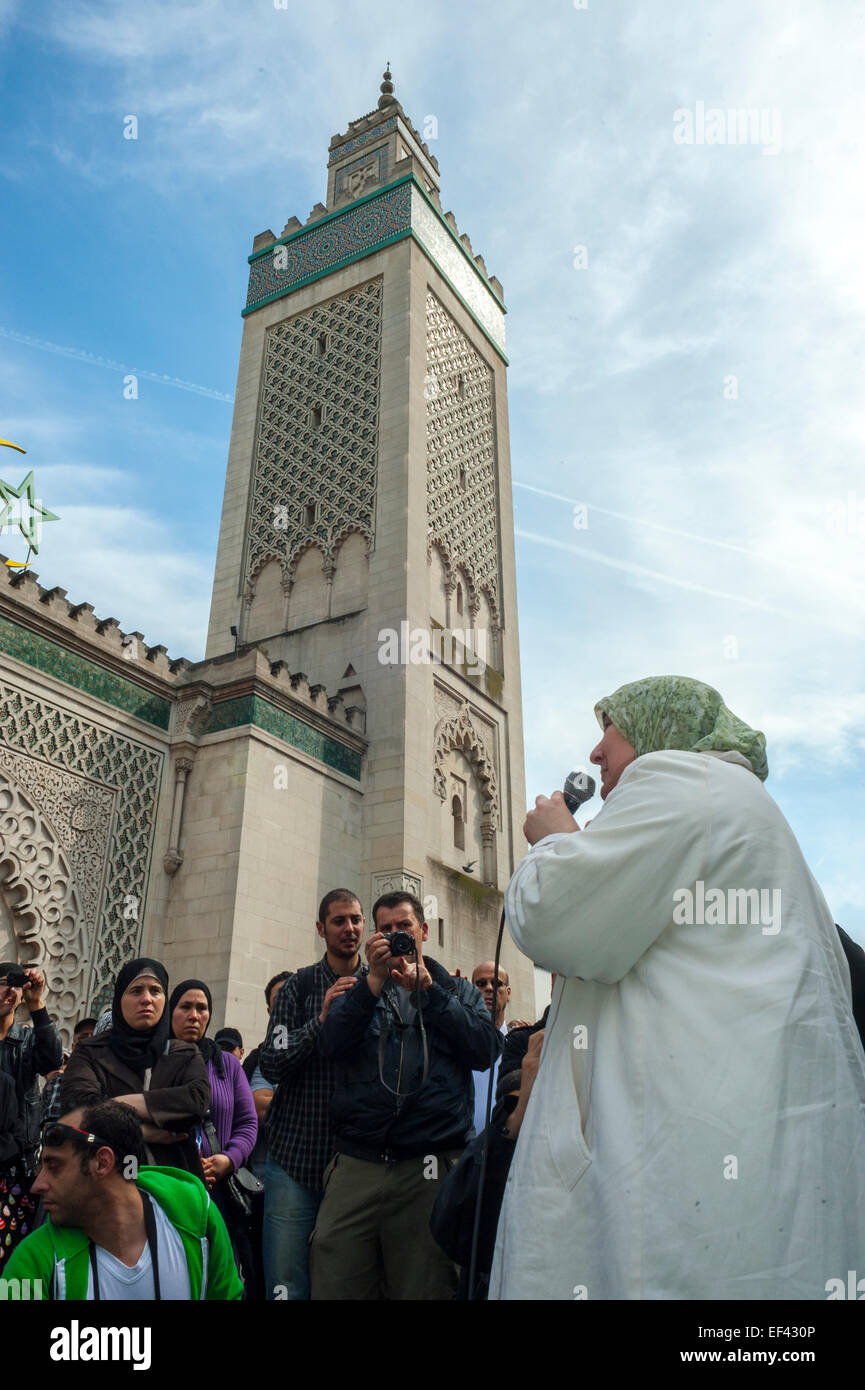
<point>29,513</point>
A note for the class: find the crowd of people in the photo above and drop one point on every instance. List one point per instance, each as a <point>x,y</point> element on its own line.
<point>684,1121</point>
<point>322,1153</point>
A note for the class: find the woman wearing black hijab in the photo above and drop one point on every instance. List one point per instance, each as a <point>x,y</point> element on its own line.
<point>135,1062</point>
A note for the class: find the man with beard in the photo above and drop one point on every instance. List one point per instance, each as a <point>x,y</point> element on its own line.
<point>299,1133</point>
<point>117,1229</point>
<point>406,1041</point>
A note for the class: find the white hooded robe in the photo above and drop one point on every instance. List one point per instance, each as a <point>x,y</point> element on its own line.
<point>697,1126</point>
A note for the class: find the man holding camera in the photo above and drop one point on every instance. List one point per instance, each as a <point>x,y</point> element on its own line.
<point>25,1054</point>
<point>299,1134</point>
<point>405,1041</point>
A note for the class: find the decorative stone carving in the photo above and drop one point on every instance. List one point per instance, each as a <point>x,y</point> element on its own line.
<point>183,763</point>
<point>462,500</point>
<point>80,811</point>
<point>462,271</point>
<point>172,860</point>
<point>459,731</point>
<point>191,716</point>
<point>448,704</point>
<point>85,814</point>
<point>312,484</point>
<point>361,175</point>
<point>118,775</point>
<point>395,880</point>
<point>37,881</point>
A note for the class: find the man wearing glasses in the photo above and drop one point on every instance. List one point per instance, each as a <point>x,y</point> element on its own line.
<point>116,1228</point>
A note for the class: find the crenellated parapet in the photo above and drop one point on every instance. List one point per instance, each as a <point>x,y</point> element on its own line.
<point>186,699</point>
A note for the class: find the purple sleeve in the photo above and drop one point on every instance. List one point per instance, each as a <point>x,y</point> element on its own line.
<point>244,1124</point>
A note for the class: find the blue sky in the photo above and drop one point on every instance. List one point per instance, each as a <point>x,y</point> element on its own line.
<point>692,376</point>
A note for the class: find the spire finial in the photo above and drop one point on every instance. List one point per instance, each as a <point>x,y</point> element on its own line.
<point>386,87</point>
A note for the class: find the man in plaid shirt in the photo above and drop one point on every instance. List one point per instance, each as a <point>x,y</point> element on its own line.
<point>299,1133</point>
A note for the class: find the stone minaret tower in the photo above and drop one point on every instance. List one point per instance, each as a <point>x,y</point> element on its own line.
<point>367,532</point>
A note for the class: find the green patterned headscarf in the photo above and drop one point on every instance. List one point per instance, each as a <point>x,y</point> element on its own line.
<point>678,712</point>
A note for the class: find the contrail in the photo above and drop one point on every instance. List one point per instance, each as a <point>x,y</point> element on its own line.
<point>586,553</point>
<point>671,530</point>
<point>81,356</point>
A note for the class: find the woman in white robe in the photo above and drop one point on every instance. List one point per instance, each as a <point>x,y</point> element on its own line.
<point>697,1127</point>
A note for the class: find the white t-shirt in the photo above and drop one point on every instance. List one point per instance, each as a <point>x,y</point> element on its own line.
<point>120,1281</point>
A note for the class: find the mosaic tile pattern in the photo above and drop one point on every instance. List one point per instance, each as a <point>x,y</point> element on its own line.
<point>378,220</point>
<point>437,240</point>
<point>358,177</point>
<point>364,139</point>
<point>336,241</point>
<point>252,709</point>
<point>83,674</point>
<point>44,730</point>
<point>333,464</point>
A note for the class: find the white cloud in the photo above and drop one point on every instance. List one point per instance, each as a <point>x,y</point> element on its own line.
<point>555,129</point>
<point>132,567</point>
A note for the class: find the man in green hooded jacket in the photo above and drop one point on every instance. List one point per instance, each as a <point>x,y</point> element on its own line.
<point>117,1228</point>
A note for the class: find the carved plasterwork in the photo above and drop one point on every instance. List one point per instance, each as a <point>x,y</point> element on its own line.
<point>104,767</point>
<point>462,496</point>
<point>445,252</point>
<point>395,880</point>
<point>191,716</point>
<point>361,175</point>
<point>460,731</point>
<point>445,702</point>
<point>81,812</point>
<point>46,908</point>
<point>326,360</point>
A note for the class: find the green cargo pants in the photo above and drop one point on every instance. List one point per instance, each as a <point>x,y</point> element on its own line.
<point>372,1236</point>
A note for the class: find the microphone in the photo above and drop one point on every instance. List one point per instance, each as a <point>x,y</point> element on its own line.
<point>579,787</point>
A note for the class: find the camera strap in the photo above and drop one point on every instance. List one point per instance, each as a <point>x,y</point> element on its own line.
<point>383,1034</point>
<point>152,1243</point>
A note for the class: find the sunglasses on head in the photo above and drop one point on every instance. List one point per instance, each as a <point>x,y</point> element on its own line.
<point>55,1133</point>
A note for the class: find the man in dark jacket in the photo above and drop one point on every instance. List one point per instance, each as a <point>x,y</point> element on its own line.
<point>27,1053</point>
<point>405,1041</point>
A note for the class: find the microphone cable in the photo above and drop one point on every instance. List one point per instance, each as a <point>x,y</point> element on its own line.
<point>473,1262</point>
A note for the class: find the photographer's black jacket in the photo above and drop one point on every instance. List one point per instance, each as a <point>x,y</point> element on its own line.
<point>369,1121</point>
<point>25,1055</point>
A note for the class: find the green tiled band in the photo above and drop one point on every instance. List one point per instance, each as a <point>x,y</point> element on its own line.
<point>252,709</point>
<point>82,673</point>
<point>88,676</point>
<point>401,209</point>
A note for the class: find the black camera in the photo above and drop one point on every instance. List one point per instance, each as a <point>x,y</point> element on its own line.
<point>400,943</point>
<point>16,979</point>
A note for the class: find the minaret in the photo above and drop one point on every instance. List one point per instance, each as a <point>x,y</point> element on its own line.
<point>367,530</point>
